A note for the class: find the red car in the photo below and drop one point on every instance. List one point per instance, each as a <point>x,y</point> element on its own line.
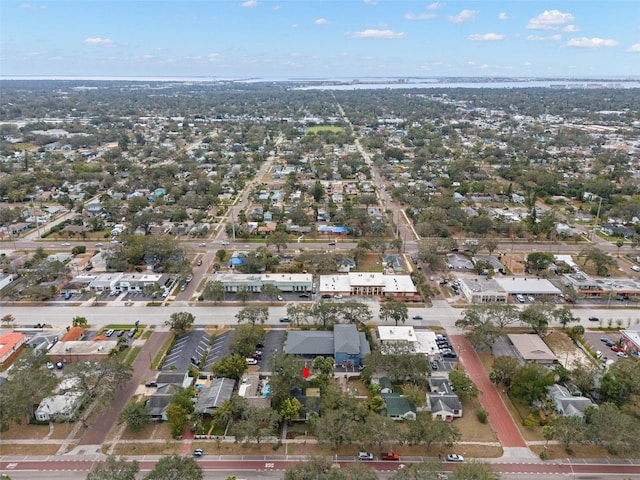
<point>389,456</point>
<point>616,349</point>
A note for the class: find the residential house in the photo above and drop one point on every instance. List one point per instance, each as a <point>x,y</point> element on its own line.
<point>211,397</point>
<point>567,404</point>
<point>398,407</point>
<point>56,407</point>
<point>442,401</point>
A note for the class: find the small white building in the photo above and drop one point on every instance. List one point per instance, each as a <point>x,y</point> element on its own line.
<point>397,338</point>
<point>63,406</point>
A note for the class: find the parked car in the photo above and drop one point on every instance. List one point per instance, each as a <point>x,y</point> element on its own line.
<point>531,299</point>
<point>198,452</point>
<point>452,457</point>
<point>417,317</point>
<point>337,297</point>
<point>594,319</point>
<point>151,384</point>
<point>622,354</point>
<point>326,296</point>
<point>389,456</point>
<point>285,320</point>
<point>304,295</point>
<point>615,348</point>
<point>520,298</point>
<point>59,365</point>
<point>449,355</point>
<point>434,365</point>
<point>604,339</point>
<point>108,333</point>
<point>120,333</point>
<point>251,361</point>
<point>280,299</point>
<point>50,366</point>
<point>68,296</point>
<point>365,456</point>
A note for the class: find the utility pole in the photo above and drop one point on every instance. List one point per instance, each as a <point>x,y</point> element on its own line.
<point>595,224</point>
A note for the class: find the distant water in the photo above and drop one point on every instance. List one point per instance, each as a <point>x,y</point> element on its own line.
<point>556,84</point>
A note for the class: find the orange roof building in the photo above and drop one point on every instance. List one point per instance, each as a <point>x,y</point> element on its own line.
<point>74,334</point>
<point>10,345</point>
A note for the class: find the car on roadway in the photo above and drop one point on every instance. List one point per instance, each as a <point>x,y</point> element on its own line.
<point>198,452</point>
<point>452,457</point>
<point>365,456</point>
<point>338,297</point>
<point>251,361</point>
<point>304,295</point>
<point>332,244</point>
<point>285,320</point>
<point>392,456</point>
<point>417,317</point>
<point>198,263</point>
<point>183,287</point>
<point>225,243</point>
<point>202,244</point>
<point>65,244</point>
<point>99,244</point>
<point>280,299</point>
<point>594,319</point>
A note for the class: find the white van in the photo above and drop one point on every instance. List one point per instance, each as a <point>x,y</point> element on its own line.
<point>635,268</point>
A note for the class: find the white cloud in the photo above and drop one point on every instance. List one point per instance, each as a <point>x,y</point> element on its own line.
<point>371,33</point>
<point>484,66</point>
<point>213,56</point>
<point>105,42</point>
<point>595,42</point>
<point>321,21</point>
<point>537,38</point>
<point>503,16</point>
<point>571,28</point>
<point>249,4</point>
<point>485,37</point>
<point>419,16</point>
<point>435,5</point>
<point>635,48</point>
<point>370,2</point>
<point>549,20</point>
<point>28,6</point>
<point>464,16</point>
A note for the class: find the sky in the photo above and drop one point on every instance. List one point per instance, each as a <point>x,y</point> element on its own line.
<point>298,39</point>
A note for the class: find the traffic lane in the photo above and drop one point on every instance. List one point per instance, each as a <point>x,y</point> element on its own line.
<point>240,463</point>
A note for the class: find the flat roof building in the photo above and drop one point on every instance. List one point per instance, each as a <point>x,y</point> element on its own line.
<point>531,349</point>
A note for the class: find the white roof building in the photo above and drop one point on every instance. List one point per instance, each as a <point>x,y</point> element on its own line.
<point>527,286</point>
<point>397,338</point>
<point>59,406</point>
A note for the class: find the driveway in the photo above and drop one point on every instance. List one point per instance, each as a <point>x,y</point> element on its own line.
<point>499,416</point>
<point>107,418</point>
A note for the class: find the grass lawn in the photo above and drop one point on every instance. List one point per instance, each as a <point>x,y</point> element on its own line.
<point>370,263</point>
<point>471,430</point>
<point>163,448</point>
<point>153,431</point>
<point>578,451</point>
<point>29,449</point>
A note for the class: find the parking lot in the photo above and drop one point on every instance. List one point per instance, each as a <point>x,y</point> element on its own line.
<point>187,348</point>
<point>219,348</point>
<point>598,345</point>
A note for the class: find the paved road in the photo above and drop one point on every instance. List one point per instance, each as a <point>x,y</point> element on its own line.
<point>268,465</point>
<point>97,432</point>
<point>499,417</point>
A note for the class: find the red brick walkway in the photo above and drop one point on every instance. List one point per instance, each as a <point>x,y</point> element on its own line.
<point>499,417</point>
